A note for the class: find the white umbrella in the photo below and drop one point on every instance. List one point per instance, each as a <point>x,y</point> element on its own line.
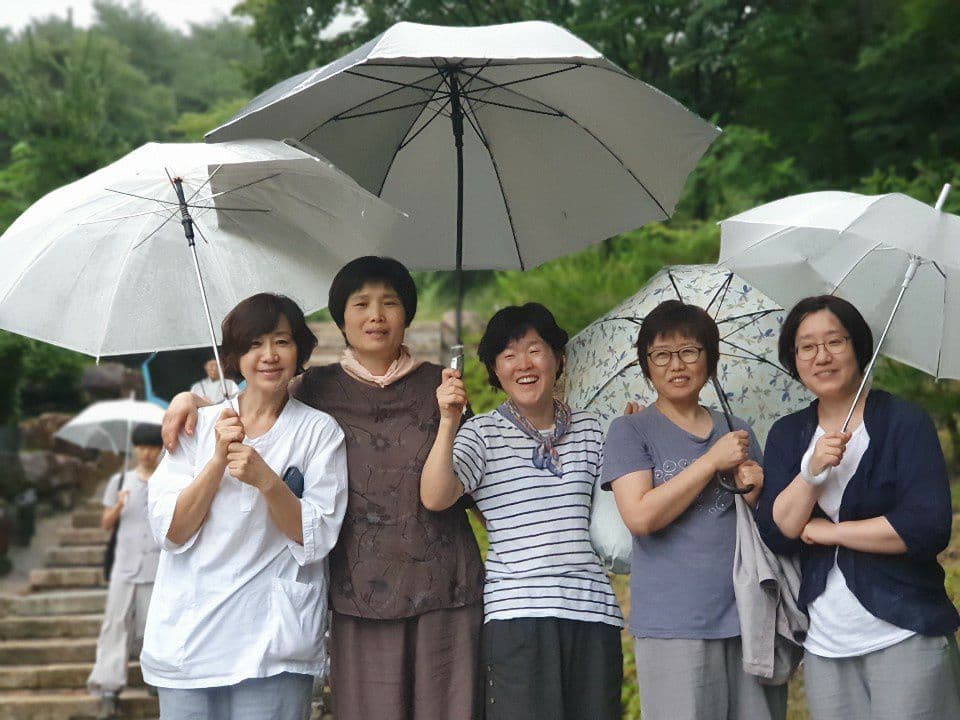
<point>102,265</point>
<point>521,139</point>
<point>106,425</point>
<point>883,253</point>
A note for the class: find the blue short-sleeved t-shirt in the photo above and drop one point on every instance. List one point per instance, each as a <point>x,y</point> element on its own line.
<point>681,582</point>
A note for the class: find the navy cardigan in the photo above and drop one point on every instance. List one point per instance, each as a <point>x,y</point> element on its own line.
<point>901,476</point>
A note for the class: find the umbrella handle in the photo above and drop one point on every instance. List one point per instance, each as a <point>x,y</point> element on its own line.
<point>727,482</point>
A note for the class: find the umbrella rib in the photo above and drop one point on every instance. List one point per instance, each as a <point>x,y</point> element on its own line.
<point>371,113</point>
<point>143,197</point>
<point>756,315</point>
<point>244,185</point>
<point>600,142</point>
<point>752,356</point>
<point>158,228</point>
<point>410,138</point>
<point>619,373</point>
<point>400,85</point>
<point>749,322</point>
<point>674,283</point>
<point>499,86</point>
<point>722,294</point>
<point>158,211</point>
<point>854,266</point>
<point>517,107</point>
<point>503,193</point>
<point>204,183</point>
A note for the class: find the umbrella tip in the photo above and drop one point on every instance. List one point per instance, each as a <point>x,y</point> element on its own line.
<point>944,191</point>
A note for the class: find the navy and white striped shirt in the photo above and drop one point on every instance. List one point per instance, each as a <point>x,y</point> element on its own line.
<point>540,562</point>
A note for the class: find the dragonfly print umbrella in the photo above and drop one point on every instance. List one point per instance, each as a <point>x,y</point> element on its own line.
<point>520,139</point>
<point>603,372</point>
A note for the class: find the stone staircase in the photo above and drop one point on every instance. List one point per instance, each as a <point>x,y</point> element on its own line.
<point>48,637</point>
<point>423,339</point>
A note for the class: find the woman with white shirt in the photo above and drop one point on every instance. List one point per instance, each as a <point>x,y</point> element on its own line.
<point>867,510</point>
<point>246,510</point>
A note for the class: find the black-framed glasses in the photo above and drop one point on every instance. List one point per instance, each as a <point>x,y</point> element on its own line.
<point>688,355</point>
<point>834,346</point>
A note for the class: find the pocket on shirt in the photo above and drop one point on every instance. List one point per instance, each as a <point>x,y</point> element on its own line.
<point>298,613</point>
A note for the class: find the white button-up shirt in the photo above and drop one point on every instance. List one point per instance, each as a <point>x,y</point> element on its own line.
<point>239,599</point>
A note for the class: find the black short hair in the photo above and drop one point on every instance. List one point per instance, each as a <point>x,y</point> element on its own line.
<point>673,317</point>
<point>146,434</point>
<point>512,323</point>
<point>372,269</point>
<point>256,316</point>
<point>849,317</point>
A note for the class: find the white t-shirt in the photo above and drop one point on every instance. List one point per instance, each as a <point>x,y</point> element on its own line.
<point>540,562</point>
<point>211,390</point>
<point>239,599</point>
<point>137,553</point>
<point>840,626</point>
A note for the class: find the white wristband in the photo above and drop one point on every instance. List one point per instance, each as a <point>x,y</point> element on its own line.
<point>812,480</point>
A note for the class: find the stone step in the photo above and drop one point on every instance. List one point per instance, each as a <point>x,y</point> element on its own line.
<point>70,602</point>
<point>78,577</point>
<point>85,519</point>
<point>75,556</point>
<point>83,536</point>
<point>47,651</point>
<point>52,626</point>
<point>135,704</point>
<point>48,677</point>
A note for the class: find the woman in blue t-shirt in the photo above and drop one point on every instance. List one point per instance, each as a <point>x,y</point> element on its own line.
<point>867,509</point>
<point>662,465</point>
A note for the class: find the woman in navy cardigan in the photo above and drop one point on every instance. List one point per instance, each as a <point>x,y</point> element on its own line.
<point>867,510</point>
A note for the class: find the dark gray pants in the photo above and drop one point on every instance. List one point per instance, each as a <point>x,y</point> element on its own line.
<point>551,669</point>
<point>916,679</point>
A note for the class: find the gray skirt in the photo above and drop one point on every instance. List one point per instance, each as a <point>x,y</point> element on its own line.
<point>916,679</point>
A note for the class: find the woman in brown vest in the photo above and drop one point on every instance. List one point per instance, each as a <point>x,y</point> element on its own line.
<point>406,583</point>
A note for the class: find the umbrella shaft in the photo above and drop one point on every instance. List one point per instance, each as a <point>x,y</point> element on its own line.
<point>213,336</point>
<point>185,218</point>
<point>456,118</point>
<point>908,276</point>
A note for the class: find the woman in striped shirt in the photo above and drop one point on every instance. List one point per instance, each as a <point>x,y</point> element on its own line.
<point>551,635</point>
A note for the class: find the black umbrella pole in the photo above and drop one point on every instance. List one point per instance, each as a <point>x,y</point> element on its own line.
<point>456,117</point>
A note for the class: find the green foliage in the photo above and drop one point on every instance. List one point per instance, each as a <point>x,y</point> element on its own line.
<point>11,359</point>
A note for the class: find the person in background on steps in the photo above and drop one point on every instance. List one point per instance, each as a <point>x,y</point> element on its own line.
<point>134,569</point>
<point>209,387</point>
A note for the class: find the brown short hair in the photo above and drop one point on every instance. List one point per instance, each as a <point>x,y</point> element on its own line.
<point>256,316</point>
<point>672,317</point>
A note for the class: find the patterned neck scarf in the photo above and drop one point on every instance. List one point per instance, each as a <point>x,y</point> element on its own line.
<point>399,368</point>
<point>545,455</point>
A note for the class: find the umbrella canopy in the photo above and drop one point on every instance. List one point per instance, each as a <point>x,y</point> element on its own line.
<point>866,249</point>
<point>102,266</point>
<point>603,373</point>
<point>520,140</point>
<point>106,425</point>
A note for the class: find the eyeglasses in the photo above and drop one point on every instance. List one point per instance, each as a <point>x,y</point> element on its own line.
<point>687,355</point>
<point>834,346</point>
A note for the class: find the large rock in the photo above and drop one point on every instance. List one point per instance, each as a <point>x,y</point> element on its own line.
<point>38,432</point>
<point>110,380</point>
<point>57,478</point>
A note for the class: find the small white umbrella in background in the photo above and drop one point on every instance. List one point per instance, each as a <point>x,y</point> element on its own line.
<point>897,259</point>
<point>151,252</point>
<point>106,425</point>
<point>509,145</point>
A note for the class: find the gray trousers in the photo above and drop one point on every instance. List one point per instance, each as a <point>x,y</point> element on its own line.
<point>702,680</point>
<point>280,697</point>
<point>916,679</point>
<point>121,635</point>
